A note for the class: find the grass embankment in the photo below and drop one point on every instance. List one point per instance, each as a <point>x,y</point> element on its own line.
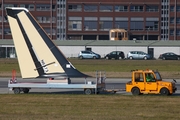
<point>84,107</point>
<point>113,68</point>
<point>93,107</point>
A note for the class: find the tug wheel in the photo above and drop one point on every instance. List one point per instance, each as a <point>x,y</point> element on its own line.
<point>164,91</point>
<point>135,91</point>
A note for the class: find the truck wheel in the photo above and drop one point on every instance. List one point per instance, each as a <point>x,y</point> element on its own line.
<point>135,91</point>
<point>88,91</point>
<point>26,90</point>
<point>17,90</point>
<point>120,58</point>
<point>164,91</point>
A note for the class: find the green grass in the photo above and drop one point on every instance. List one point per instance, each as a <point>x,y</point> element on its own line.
<point>93,107</point>
<point>113,68</point>
<point>125,65</point>
<point>7,65</point>
<point>84,107</point>
<point>122,68</point>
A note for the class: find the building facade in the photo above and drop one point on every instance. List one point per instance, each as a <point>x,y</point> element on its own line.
<point>92,19</point>
<point>44,11</point>
<point>143,19</point>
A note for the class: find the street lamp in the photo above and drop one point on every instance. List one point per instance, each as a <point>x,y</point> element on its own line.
<point>147,34</point>
<point>2,18</point>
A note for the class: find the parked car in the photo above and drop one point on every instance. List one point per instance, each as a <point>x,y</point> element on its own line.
<point>138,55</point>
<point>115,55</point>
<point>88,54</point>
<point>169,56</point>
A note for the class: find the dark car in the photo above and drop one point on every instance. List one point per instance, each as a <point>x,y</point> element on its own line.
<point>169,56</point>
<point>115,55</point>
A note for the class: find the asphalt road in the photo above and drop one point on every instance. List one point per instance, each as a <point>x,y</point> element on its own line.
<point>111,83</point>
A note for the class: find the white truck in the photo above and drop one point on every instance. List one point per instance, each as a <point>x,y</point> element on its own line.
<point>64,83</point>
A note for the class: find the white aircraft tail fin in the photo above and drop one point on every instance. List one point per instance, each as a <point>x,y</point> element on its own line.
<point>38,56</point>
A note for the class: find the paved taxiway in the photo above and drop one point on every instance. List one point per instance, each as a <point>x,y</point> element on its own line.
<point>111,83</point>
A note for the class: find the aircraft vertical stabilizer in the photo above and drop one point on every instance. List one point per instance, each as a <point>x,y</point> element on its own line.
<point>38,56</point>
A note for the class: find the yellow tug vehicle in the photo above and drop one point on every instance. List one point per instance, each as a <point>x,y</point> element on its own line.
<point>149,82</point>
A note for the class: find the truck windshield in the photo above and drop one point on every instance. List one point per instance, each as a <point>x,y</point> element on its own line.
<point>158,76</point>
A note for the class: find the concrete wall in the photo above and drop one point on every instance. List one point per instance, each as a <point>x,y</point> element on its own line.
<point>161,50</point>
<point>72,51</point>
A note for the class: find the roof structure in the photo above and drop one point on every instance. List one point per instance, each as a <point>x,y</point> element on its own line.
<point>154,43</point>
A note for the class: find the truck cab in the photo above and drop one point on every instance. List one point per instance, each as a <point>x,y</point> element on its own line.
<point>149,82</point>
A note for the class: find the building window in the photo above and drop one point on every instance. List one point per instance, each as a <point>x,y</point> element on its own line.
<point>164,12</point>
<point>43,7</point>
<point>121,22</point>
<point>54,7</point>
<point>5,19</point>
<point>10,5</point>
<point>90,8</point>
<point>7,31</point>
<point>121,8</point>
<point>172,32</point>
<point>152,8</point>
<point>48,31</point>
<point>39,19</point>
<point>178,8</point>
<point>74,8</point>
<point>75,24</point>
<point>137,23</point>
<point>53,19</point>
<point>0,31</point>
<point>90,23</point>
<point>7,52</point>
<point>136,8</point>
<point>172,20</point>
<point>152,24</point>
<point>28,6</point>
<point>11,53</point>
<point>165,7</point>
<point>172,8</point>
<point>61,6</point>
<point>3,52</point>
<point>44,19</point>
<point>105,23</point>
<point>178,20</point>
<point>106,8</point>
<point>178,32</point>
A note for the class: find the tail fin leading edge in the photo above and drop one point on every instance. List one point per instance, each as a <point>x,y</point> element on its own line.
<point>37,54</point>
